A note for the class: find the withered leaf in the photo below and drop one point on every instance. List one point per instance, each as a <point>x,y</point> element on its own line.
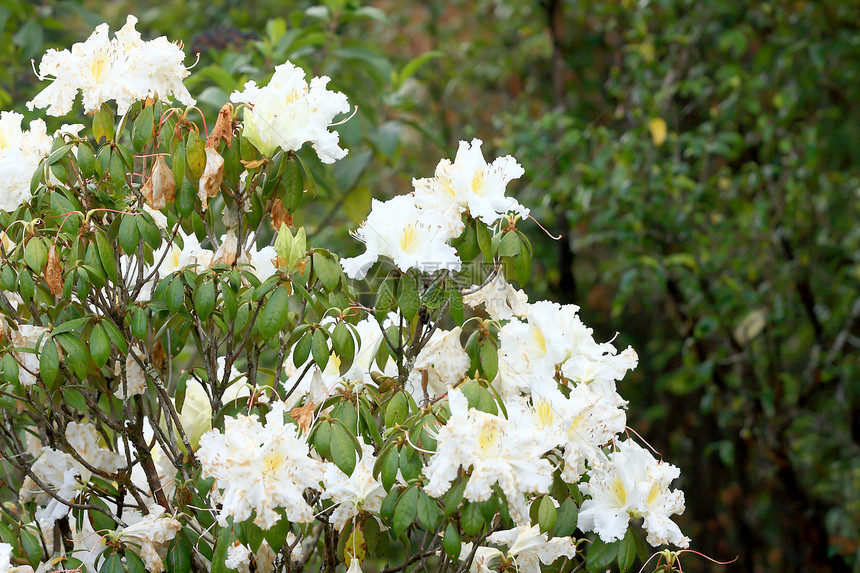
<point>223,127</point>
<point>54,271</point>
<point>213,175</point>
<point>304,415</point>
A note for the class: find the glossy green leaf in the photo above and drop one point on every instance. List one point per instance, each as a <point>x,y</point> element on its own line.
<point>274,315</point>
<point>342,448</point>
<point>405,511</point>
<point>49,363</point>
<point>204,299</point>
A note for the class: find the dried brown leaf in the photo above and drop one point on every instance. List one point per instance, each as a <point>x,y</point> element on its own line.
<point>212,177</point>
<point>280,215</point>
<point>223,127</point>
<point>161,186</point>
<point>54,271</point>
<point>304,415</point>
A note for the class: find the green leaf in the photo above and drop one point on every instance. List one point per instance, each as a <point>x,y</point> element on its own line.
<point>522,267</point>
<point>319,348</point>
<point>141,130</point>
<point>148,230</point>
<point>195,155</point>
<point>128,234</point>
<point>86,160</point>
<point>428,512</point>
<point>59,153</point>
<point>343,344</point>
<point>342,448</point>
<point>397,410</point>
<point>452,498</point>
<point>546,514</point>
<point>451,542</point>
<point>600,555</point>
<point>175,294</point>
<point>509,245</point>
<point>407,298</point>
<point>179,555</point>
<point>225,540</point>
<point>99,345</point>
<point>471,519</point>
<point>293,184</point>
<point>116,169</point>
<point>327,270</point>
<point>322,438</point>
<point>277,534</point>
<point>388,471</point>
<point>133,562</point>
<point>231,304</point>
<point>101,522</point>
<point>10,368</point>
<point>113,564</point>
<point>26,284</point>
<point>274,315</point>
<point>566,518</point>
<point>489,356</point>
<point>49,363</point>
<point>103,128</point>
<point>35,254</point>
<point>405,511</point>
<point>627,551</point>
<point>204,299</point>
<point>115,335</point>
<point>414,64</point>
<point>107,256</point>
<point>76,354</point>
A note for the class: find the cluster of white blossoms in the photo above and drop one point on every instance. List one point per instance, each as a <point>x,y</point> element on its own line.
<point>124,69</point>
<point>497,450</point>
<point>287,113</point>
<point>20,154</point>
<point>415,230</point>
<point>631,483</point>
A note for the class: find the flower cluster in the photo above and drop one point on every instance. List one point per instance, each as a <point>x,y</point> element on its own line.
<point>124,69</point>
<point>185,394</point>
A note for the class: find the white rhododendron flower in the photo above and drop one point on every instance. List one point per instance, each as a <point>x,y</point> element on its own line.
<point>529,547</point>
<point>410,236</point>
<point>470,183</point>
<point>287,113</point>
<point>500,299</point>
<point>20,154</point>
<point>135,379</point>
<point>33,338</point>
<point>632,483</point>
<point>260,468</point>
<point>444,362</point>
<point>485,558</point>
<point>5,558</point>
<point>351,494</point>
<point>125,69</point>
<point>64,474</point>
<point>495,449</point>
<point>150,537</point>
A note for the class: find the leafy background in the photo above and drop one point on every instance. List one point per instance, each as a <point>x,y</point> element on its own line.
<point>698,159</point>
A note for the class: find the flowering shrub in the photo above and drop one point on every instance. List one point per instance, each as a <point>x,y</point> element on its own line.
<point>188,383</point>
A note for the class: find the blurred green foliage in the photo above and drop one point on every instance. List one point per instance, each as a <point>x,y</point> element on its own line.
<point>700,160</point>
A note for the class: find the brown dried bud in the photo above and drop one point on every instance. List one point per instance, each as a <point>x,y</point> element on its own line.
<point>223,127</point>
<point>161,186</point>
<point>213,175</point>
<point>54,271</point>
<point>304,415</point>
<point>280,215</point>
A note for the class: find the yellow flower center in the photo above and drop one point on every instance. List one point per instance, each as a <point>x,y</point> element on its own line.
<point>544,413</point>
<point>653,494</point>
<point>488,440</point>
<point>619,491</point>
<point>478,182</point>
<point>409,238</point>
<point>272,462</point>
<point>100,66</point>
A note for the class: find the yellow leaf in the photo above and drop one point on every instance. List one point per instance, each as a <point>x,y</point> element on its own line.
<point>658,130</point>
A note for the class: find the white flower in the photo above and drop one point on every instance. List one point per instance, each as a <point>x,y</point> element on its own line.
<point>135,379</point>
<point>5,558</point>
<point>66,476</point>
<point>124,69</point>
<point>443,360</point>
<point>410,236</point>
<point>500,299</point>
<point>150,537</point>
<point>20,154</point>
<point>529,547</point>
<point>260,468</point>
<point>497,451</point>
<point>484,557</point>
<point>470,183</point>
<point>287,112</point>
<point>28,336</point>
<point>354,493</point>
<point>238,558</point>
<point>581,424</point>
<point>631,483</point>
<point>262,262</point>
